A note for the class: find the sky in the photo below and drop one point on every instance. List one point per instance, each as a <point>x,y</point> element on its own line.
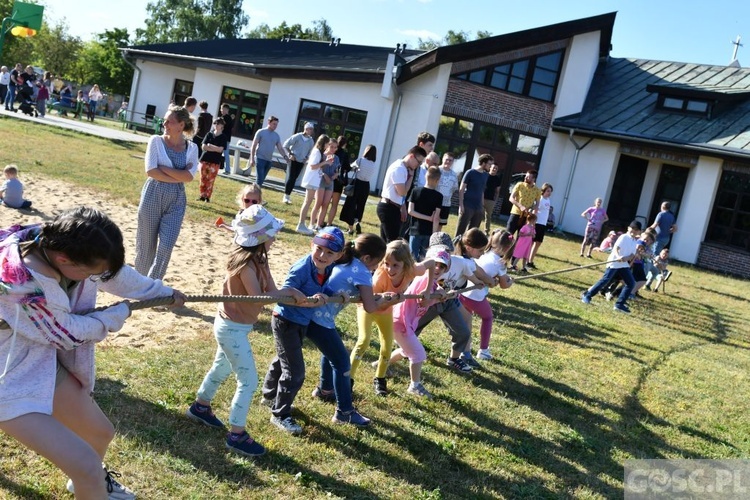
<point>687,31</point>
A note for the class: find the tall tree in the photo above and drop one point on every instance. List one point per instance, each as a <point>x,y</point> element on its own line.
<point>321,30</point>
<point>450,38</point>
<point>189,20</point>
<point>116,75</point>
<point>55,50</point>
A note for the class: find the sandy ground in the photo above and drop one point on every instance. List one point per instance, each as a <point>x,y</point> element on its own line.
<point>196,268</point>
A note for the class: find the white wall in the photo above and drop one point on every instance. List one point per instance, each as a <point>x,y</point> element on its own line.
<point>155,86</point>
<point>593,176</point>
<point>581,60</point>
<point>649,189</point>
<point>695,209</point>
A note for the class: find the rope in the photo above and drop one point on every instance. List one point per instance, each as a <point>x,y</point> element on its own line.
<point>559,271</point>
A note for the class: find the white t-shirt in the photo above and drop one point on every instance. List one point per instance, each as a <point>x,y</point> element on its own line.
<point>624,246</point>
<point>397,173</point>
<point>311,178</point>
<point>459,273</point>
<point>542,212</point>
<point>493,265</point>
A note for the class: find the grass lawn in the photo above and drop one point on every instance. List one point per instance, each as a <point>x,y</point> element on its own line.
<point>573,392</point>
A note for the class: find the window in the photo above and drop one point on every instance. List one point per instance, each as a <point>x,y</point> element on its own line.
<point>182,90</point>
<point>248,109</point>
<point>684,105</point>
<point>535,77</point>
<point>730,222</point>
<point>334,121</point>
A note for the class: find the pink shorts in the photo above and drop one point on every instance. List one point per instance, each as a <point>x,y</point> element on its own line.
<point>410,345</point>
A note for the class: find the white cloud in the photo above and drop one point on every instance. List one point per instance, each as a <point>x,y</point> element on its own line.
<point>423,34</point>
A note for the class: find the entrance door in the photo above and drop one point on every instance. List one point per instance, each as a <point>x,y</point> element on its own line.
<point>670,188</point>
<point>626,191</point>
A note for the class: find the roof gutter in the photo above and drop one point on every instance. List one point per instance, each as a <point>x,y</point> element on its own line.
<point>614,136</point>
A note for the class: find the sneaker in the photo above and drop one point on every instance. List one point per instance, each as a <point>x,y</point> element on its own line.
<point>287,424</point>
<point>381,386</point>
<point>608,295</point>
<point>302,229</point>
<point>585,299</point>
<point>648,287</point>
<point>115,490</point>
<point>328,397</point>
<point>287,199</point>
<point>417,389</point>
<point>357,228</point>
<point>469,360</point>
<point>243,444</point>
<point>622,308</point>
<point>484,354</point>
<point>524,271</point>
<point>531,265</point>
<point>350,417</point>
<point>458,364</point>
<point>203,414</point>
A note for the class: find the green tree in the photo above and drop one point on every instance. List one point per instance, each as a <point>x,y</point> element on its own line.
<point>55,50</point>
<point>189,20</point>
<point>115,75</point>
<point>321,30</point>
<point>450,38</point>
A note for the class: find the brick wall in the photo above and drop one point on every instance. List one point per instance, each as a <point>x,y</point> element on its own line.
<point>724,259</point>
<point>477,102</point>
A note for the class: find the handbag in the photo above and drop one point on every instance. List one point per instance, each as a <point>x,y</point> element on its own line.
<point>349,180</point>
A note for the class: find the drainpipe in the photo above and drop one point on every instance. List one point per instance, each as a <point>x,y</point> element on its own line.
<point>136,82</point>
<point>578,147</point>
<point>388,146</point>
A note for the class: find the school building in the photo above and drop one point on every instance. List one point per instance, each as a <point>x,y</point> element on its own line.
<point>634,132</point>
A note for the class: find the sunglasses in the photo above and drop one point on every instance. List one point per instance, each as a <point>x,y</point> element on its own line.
<point>251,202</point>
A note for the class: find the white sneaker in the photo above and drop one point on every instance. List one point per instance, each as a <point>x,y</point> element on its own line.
<point>484,354</point>
<point>608,295</point>
<point>287,424</point>
<point>286,199</point>
<point>115,490</point>
<point>303,229</point>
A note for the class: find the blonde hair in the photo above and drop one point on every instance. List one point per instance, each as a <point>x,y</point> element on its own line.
<point>248,189</point>
<point>183,116</point>
<point>10,169</point>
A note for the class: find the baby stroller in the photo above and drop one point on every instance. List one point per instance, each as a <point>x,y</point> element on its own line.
<point>26,96</point>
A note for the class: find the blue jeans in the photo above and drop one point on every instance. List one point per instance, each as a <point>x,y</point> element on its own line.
<point>418,245</point>
<point>10,97</point>
<point>610,274</point>
<point>234,354</point>
<point>228,160</point>
<point>335,368</point>
<point>261,169</point>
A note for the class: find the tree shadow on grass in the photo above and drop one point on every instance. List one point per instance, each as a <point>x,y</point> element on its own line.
<point>21,491</point>
<point>172,434</point>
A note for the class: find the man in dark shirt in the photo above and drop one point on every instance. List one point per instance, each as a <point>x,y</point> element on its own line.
<point>424,209</point>
<point>471,195</point>
<point>228,127</point>
<point>491,193</point>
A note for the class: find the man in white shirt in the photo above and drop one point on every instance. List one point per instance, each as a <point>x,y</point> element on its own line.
<point>392,207</point>
<point>618,267</point>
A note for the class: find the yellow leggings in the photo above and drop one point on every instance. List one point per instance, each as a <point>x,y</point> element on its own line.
<point>384,322</point>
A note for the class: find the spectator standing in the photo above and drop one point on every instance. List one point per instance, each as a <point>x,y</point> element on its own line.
<point>664,225</point>
<point>426,141</point>
<point>228,128</point>
<point>261,151</point>
<point>310,182</point>
<point>171,162</point>
<point>205,120</point>
<point>190,104</point>
<point>4,81</point>
<point>447,185</point>
<point>543,216</point>
<point>491,194</point>
<point>41,99</point>
<point>13,82</point>
<point>424,209</point>
<point>354,206</point>
<point>524,199</point>
<point>298,146</point>
<point>596,217</point>
<point>95,95</point>
<point>392,207</point>
<point>345,167</point>
<point>471,195</point>
<point>212,159</point>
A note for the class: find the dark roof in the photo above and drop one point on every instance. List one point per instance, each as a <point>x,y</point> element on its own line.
<point>621,105</point>
<point>511,41</point>
<point>267,56</point>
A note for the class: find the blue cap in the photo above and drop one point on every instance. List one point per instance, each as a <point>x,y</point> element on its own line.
<point>331,238</point>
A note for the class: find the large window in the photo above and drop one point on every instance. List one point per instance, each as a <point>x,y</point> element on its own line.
<point>535,77</point>
<point>730,222</point>
<point>334,120</point>
<point>514,151</point>
<point>182,90</point>
<point>248,109</point>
